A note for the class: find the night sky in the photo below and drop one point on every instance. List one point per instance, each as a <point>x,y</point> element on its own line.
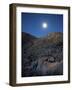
<point>32,23</point>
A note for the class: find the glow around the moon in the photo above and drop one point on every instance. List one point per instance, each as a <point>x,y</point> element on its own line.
<point>44,25</point>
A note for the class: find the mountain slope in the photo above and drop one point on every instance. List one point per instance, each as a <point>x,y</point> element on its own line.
<point>44,56</point>
<point>27,40</point>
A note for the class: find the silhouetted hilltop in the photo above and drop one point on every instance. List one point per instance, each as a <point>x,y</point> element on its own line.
<point>27,39</point>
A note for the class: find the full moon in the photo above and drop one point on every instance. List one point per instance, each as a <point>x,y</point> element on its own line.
<point>44,25</point>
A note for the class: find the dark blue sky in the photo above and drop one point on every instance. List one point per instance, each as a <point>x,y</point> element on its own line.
<point>32,23</point>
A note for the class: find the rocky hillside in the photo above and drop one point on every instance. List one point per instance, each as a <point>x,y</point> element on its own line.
<point>42,56</point>
<point>27,40</point>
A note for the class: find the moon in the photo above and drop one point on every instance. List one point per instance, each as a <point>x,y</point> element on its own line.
<point>44,25</point>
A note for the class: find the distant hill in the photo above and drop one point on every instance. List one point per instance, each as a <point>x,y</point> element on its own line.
<point>51,38</point>
<point>27,39</point>
<point>42,56</point>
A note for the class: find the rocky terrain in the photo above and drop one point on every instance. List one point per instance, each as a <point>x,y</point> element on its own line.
<point>42,56</point>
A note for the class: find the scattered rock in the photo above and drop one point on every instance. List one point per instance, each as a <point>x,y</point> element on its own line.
<point>43,56</point>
